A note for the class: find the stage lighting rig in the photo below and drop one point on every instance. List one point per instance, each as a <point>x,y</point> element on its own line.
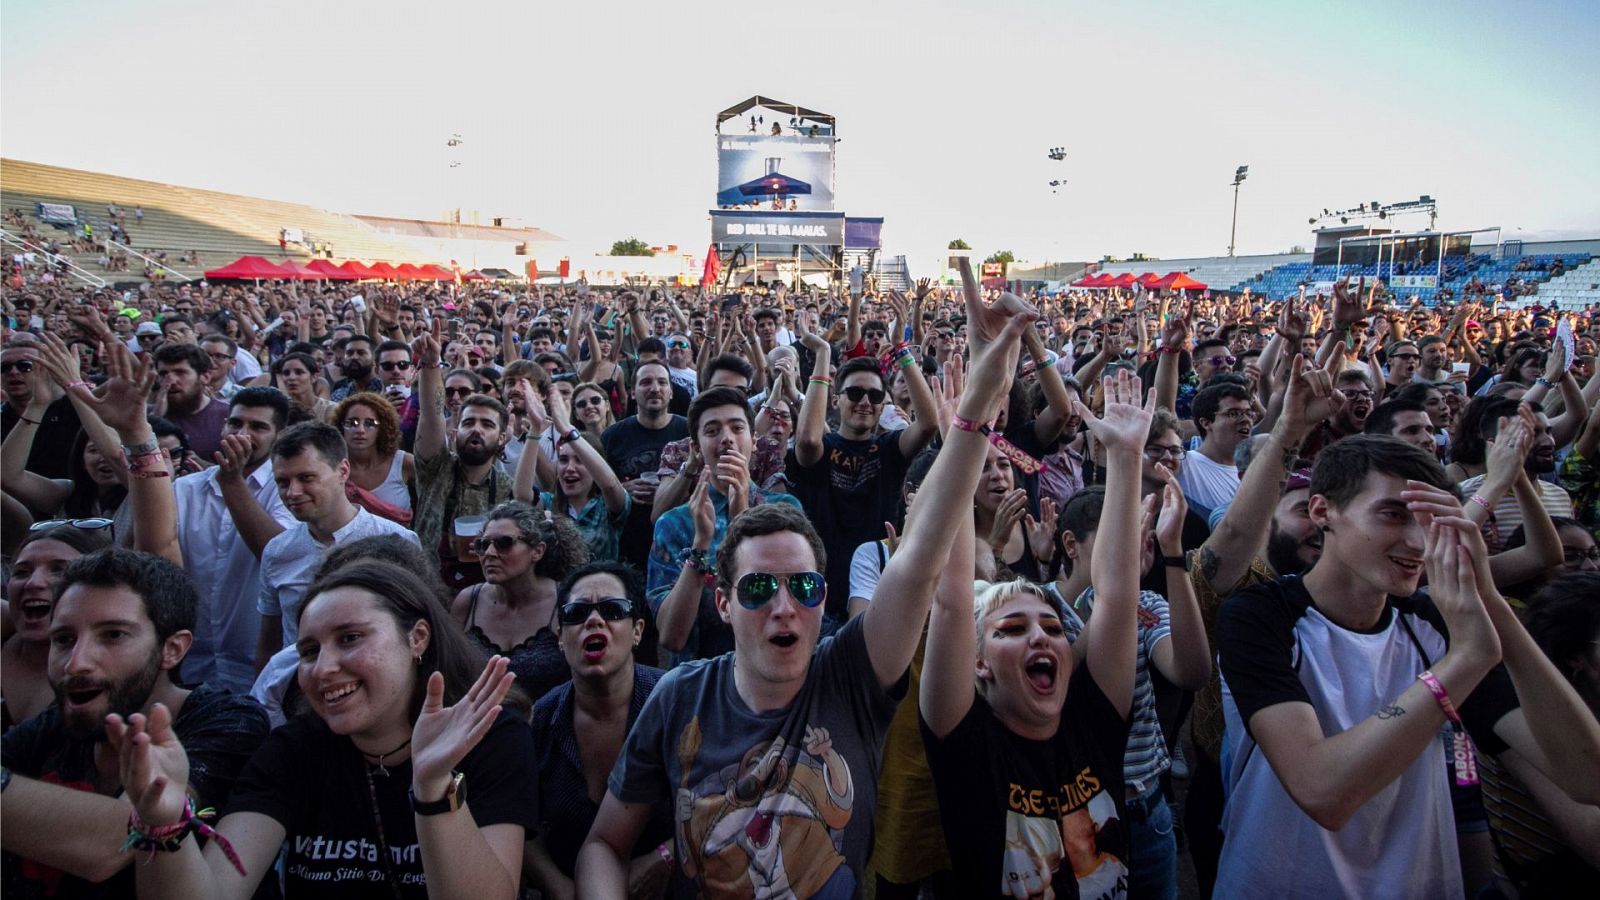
<point>1058,153</point>
<point>1239,175</point>
<point>1377,210</point>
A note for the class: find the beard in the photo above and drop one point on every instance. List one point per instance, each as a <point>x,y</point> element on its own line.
<point>473,453</point>
<point>1537,464</point>
<point>356,371</point>
<point>1284,553</point>
<point>124,698</point>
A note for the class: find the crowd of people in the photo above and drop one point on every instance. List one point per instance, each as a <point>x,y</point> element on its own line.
<point>497,591</point>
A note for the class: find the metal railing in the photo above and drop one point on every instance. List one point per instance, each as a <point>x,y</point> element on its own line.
<point>73,269</point>
<point>156,263</point>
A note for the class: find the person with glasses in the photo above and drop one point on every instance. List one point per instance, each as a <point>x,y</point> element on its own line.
<point>687,535</point>
<point>579,727</point>
<point>36,567</point>
<point>848,479</point>
<point>591,408</point>
<point>525,553</point>
<point>1403,359</point>
<point>223,352</point>
<point>397,372</point>
<point>379,469</point>
<point>1223,417</point>
<point>769,755</point>
<point>55,419</point>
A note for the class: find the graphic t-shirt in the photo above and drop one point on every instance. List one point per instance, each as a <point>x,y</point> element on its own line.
<point>1026,818</point>
<point>1274,646</point>
<point>768,804</point>
<point>315,784</point>
<point>219,731</point>
<point>850,492</point>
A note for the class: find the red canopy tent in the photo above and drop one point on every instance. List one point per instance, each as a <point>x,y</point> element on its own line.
<point>249,267</point>
<point>438,272</point>
<point>384,270</point>
<point>1178,281</point>
<point>1085,281</point>
<point>298,271</point>
<point>328,270</point>
<point>409,272</point>
<point>357,268</point>
<point>474,275</point>
<point>1149,279</point>
<point>1125,280</point>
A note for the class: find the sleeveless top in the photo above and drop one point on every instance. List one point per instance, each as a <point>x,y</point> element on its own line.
<point>537,661</point>
<point>393,490</point>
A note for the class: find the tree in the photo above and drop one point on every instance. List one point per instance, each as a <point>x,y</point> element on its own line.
<point>958,244</point>
<point>631,247</point>
<point>1004,256</point>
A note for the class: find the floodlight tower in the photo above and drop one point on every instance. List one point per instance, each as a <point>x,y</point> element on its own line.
<point>1238,179</point>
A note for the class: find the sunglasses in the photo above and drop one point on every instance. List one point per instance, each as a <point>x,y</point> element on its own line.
<point>612,609</point>
<point>21,365</point>
<point>856,393</point>
<point>756,589</point>
<point>677,345</point>
<point>367,424</point>
<point>588,402</point>
<point>391,365</point>
<point>94,524</point>
<point>563,376</point>
<point>1218,361</point>
<point>457,391</point>
<point>501,543</point>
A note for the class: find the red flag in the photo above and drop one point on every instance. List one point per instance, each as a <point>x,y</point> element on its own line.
<point>713,266</point>
<point>564,268</point>
<point>533,269</point>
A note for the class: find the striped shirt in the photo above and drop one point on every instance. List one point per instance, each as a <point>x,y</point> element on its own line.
<point>1508,515</point>
<point>1146,756</point>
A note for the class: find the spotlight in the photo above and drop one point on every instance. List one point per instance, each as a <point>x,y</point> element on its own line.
<point>1344,220</point>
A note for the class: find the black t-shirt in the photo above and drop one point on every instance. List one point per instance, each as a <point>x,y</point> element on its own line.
<point>219,732</point>
<point>848,494</point>
<point>1035,814</point>
<point>633,449</point>
<point>51,455</point>
<point>315,784</point>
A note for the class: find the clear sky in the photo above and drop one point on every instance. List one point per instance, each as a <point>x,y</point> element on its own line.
<point>595,119</point>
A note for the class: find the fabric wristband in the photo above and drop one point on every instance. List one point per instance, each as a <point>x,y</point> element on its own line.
<point>1478,499</point>
<point>962,423</point>
<point>1461,745</point>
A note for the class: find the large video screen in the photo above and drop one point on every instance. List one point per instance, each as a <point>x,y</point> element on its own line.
<point>765,171</point>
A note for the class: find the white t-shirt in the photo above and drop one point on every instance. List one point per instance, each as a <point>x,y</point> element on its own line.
<point>866,567</point>
<point>1206,484</point>
<point>689,378</point>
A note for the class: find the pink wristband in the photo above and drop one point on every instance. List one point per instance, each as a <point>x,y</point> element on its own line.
<point>80,384</point>
<point>1466,764</point>
<point>1478,499</point>
<point>961,423</point>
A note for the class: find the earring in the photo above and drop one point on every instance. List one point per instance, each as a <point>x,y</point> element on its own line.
<point>417,660</point>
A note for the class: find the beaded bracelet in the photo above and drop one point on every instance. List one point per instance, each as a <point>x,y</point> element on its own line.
<point>169,838</point>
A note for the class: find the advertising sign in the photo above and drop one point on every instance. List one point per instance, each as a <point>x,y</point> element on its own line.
<point>756,227</point>
<point>1414,281</point>
<point>57,214</point>
<point>791,171</point>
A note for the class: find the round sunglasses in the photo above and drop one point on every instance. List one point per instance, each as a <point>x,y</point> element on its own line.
<point>756,589</point>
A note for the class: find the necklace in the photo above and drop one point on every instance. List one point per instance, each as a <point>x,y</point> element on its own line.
<point>380,757</point>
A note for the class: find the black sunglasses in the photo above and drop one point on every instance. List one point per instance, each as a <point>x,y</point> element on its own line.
<point>391,365</point>
<point>21,365</point>
<point>855,393</point>
<point>756,589</point>
<point>612,609</point>
<point>501,543</point>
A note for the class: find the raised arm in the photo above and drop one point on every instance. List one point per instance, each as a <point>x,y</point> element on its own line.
<point>120,404</point>
<point>1058,404</point>
<point>1112,632</point>
<point>43,496</point>
<point>611,489</point>
<point>1174,340</point>
<point>926,422</point>
<point>1184,658</point>
<point>813,422</point>
<point>900,602</point>
<point>431,439</point>
<point>250,519</point>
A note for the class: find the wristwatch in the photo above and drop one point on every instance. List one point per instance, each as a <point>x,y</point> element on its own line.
<point>454,796</point>
<point>1181,560</point>
<point>572,434</point>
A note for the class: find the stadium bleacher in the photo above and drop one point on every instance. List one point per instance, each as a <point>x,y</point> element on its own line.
<point>1221,273</point>
<point>177,219</point>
